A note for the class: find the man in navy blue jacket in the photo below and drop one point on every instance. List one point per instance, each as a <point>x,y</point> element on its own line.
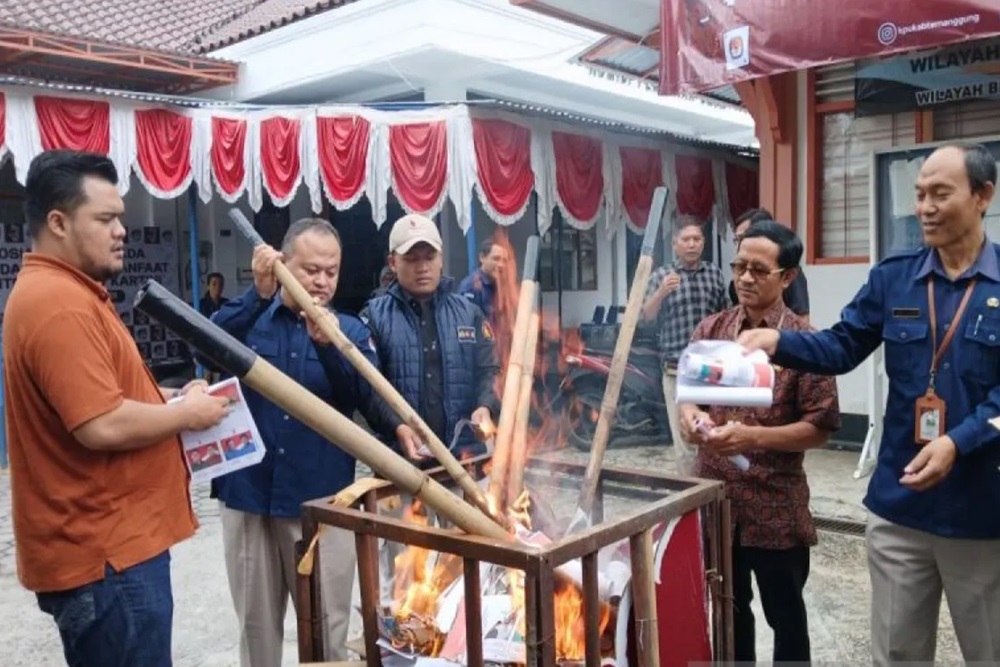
<point>480,286</point>
<point>436,347</point>
<point>934,498</point>
<point>261,504</point>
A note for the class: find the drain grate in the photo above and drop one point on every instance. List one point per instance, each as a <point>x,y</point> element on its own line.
<point>841,526</point>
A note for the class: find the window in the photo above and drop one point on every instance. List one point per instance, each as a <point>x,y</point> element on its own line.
<point>841,146</point>
<point>568,257</point>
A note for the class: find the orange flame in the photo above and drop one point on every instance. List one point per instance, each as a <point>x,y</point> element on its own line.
<point>570,642</point>
<point>419,577</point>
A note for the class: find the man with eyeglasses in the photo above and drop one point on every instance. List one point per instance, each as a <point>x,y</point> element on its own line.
<point>796,295</point>
<point>773,528</point>
<point>678,297</point>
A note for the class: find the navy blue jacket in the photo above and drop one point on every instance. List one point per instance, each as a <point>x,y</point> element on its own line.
<point>468,358</point>
<point>892,310</point>
<point>299,465</point>
<point>480,289</point>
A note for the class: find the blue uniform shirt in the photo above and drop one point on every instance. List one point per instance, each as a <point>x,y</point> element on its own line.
<point>892,309</point>
<point>480,289</point>
<point>300,465</point>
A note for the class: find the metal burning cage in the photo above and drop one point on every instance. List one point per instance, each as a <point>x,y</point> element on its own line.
<point>641,501</point>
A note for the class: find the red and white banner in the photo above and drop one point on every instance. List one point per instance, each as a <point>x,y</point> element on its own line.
<point>706,44</point>
<point>343,153</point>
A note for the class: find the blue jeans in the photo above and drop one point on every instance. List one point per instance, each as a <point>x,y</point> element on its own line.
<point>123,620</point>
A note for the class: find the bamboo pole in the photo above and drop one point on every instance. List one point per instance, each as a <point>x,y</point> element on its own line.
<point>647,636</point>
<point>519,445</point>
<point>327,323</point>
<point>619,361</point>
<point>236,358</point>
<point>512,381</point>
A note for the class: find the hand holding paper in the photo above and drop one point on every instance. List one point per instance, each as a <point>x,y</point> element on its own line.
<point>754,340</point>
<point>724,440</point>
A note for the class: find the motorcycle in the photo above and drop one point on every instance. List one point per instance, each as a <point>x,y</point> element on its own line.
<point>641,416</point>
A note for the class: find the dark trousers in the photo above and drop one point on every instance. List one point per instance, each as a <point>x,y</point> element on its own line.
<point>781,575</point>
<point>123,620</point>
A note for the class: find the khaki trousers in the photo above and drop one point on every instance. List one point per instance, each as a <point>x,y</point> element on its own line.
<point>685,453</point>
<point>260,565</point>
<point>909,571</point>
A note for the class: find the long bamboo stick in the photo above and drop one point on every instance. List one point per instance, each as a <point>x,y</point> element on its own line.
<point>327,323</point>
<point>619,361</point>
<point>519,445</point>
<point>512,381</point>
<point>236,358</point>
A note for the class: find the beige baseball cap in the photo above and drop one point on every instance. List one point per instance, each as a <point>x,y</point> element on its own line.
<point>411,230</point>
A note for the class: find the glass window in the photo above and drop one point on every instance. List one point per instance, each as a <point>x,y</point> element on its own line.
<point>568,257</point>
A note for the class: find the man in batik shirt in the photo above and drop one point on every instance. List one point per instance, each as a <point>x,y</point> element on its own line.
<point>770,501</point>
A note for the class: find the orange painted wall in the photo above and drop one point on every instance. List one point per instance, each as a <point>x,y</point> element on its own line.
<point>773,103</point>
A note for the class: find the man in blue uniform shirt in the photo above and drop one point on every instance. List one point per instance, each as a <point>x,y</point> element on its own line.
<point>261,504</point>
<point>934,498</point>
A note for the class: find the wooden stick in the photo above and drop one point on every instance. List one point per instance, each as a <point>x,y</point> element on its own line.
<point>236,358</point>
<point>512,381</point>
<point>609,404</point>
<point>647,635</point>
<point>327,323</point>
<point>519,445</point>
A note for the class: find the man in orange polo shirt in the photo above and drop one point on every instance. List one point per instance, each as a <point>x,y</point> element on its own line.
<point>99,486</point>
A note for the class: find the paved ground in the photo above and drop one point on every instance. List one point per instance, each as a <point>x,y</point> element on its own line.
<point>205,633</point>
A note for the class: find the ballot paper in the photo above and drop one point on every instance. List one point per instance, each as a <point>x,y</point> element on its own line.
<point>720,373</point>
<point>231,445</point>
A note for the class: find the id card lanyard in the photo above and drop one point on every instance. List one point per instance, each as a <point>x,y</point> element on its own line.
<point>929,413</point>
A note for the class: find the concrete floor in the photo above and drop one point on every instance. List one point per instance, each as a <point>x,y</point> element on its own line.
<point>205,633</point>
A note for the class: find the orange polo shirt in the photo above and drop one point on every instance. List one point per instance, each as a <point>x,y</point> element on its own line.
<point>68,358</point>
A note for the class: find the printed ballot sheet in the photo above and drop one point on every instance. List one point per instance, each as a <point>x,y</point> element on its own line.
<point>719,372</point>
<point>232,445</point>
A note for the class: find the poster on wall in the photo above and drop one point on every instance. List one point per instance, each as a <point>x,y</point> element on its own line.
<point>150,253</point>
<point>927,79</point>
<point>706,44</point>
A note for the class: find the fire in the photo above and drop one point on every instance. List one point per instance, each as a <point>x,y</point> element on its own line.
<point>570,643</point>
<point>420,578</point>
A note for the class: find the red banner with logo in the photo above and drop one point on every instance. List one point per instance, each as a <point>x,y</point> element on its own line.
<point>705,44</point>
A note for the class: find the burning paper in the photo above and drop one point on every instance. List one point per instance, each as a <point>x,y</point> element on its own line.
<point>427,616</point>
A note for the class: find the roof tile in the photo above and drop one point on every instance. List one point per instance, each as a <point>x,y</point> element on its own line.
<point>183,26</point>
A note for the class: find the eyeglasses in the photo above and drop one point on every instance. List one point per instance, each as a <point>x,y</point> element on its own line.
<point>758,273</point>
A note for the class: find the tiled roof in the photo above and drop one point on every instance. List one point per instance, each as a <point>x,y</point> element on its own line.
<point>261,18</point>
<point>183,26</point>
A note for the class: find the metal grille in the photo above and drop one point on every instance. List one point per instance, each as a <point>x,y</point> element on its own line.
<point>841,526</point>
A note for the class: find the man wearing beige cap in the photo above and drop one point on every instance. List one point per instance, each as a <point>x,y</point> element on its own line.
<point>436,347</point>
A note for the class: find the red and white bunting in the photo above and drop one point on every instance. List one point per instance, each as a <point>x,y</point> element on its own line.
<point>344,153</point>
